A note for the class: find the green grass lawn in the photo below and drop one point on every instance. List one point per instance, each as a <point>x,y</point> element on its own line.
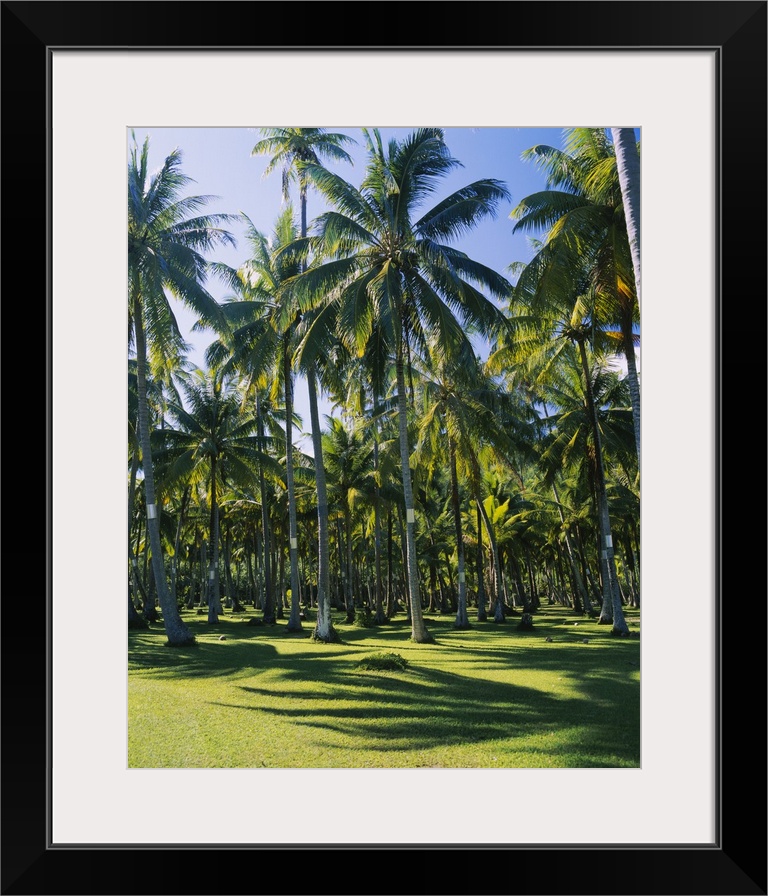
<point>490,697</point>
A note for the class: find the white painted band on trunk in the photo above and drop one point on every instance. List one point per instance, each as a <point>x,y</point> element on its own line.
<point>212,574</point>
<point>410,516</point>
<point>608,541</point>
<point>151,511</point>
<point>134,561</point>
<point>462,577</point>
<point>294,543</point>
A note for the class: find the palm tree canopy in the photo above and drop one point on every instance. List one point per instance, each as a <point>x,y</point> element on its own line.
<point>167,239</point>
<point>381,257</point>
<point>291,148</point>
<point>257,314</point>
<point>586,243</point>
<point>212,431</point>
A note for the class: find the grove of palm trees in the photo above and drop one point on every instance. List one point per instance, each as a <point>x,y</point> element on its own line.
<point>384,451</point>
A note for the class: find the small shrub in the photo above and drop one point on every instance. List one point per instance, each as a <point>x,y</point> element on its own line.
<point>387,662</point>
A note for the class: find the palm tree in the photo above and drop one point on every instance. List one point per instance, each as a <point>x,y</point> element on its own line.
<point>450,413</point>
<point>291,149</point>
<point>249,346</point>
<point>385,266</point>
<point>214,444</point>
<point>349,465</point>
<point>164,256</point>
<point>564,362</point>
<point>583,215</point>
<point>352,382</point>
<point>258,340</point>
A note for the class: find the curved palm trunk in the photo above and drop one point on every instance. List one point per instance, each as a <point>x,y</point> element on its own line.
<point>606,548</point>
<point>482,614</point>
<point>213,569</point>
<point>628,167</point>
<point>134,618</point>
<point>348,589</point>
<point>633,381</point>
<point>269,603</point>
<point>462,621</point>
<point>177,632</point>
<point>137,579</point>
<point>419,631</point>
<point>498,597</point>
<point>324,630</point>
<point>294,621</point>
<point>380,618</point>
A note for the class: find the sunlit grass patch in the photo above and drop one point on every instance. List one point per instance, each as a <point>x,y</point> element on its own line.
<point>489,697</point>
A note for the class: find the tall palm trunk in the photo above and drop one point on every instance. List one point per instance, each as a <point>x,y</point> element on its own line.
<point>177,543</point>
<point>230,584</point>
<point>633,381</point>
<point>580,589</point>
<point>268,603</point>
<point>391,601</point>
<point>606,553</point>
<point>482,614</point>
<point>177,632</point>
<point>462,621</point>
<point>498,596</point>
<point>213,569</point>
<point>419,631</point>
<point>628,168</point>
<point>380,618</point>
<point>135,566</point>
<point>323,626</point>
<point>324,630</point>
<point>134,618</point>
<point>294,621</point>
<point>348,589</point>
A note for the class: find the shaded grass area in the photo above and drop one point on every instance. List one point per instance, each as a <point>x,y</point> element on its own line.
<point>489,697</point>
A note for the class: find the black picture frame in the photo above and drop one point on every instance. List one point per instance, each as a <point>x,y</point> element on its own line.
<point>736,863</point>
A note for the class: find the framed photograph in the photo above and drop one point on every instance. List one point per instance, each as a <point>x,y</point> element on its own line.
<point>691,76</point>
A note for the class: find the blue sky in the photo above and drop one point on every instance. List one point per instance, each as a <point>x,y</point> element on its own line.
<point>220,163</point>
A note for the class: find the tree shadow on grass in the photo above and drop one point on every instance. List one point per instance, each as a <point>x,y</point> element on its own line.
<point>148,655</point>
<point>422,709</point>
<point>448,696</point>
